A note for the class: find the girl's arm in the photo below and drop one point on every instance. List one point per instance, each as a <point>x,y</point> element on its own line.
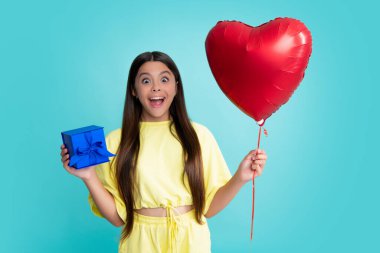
<point>251,164</point>
<point>103,199</point>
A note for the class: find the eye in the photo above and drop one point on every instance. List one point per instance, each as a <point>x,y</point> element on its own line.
<point>145,81</point>
<point>165,79</point>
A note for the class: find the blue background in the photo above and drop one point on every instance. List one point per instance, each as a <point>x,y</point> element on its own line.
<point>64,65</point>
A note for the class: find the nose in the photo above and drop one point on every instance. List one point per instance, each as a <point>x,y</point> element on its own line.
<point>155,87</point>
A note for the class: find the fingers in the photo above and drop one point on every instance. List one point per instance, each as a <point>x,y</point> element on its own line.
<point>259,156</point>
<point>64,153</point>
<point>71,170</point>
<point>248,157</point>
<point>257,169</point>
<point>65,160</point>
<point>253,153</point>
<point>257,152</point>
<point>258,161</point>
<point>261,153</point>
<point>64,156</point>
<point>63,150</point>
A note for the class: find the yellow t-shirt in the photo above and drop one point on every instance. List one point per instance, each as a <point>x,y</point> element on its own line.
<point>160,168</point>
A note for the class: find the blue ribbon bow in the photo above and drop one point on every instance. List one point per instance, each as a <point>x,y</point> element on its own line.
<point>93,151</point>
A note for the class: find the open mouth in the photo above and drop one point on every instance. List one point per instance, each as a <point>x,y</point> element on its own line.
<point>156,101</point>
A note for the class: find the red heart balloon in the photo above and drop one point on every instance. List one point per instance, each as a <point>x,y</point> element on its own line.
<point>258,68</point>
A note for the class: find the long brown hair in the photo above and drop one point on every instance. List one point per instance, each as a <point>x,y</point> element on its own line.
<point>128,152</point>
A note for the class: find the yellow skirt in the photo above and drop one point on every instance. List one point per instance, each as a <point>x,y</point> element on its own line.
<point>172,234</point>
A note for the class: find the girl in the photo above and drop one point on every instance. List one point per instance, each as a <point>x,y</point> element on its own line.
<point>169,173</point>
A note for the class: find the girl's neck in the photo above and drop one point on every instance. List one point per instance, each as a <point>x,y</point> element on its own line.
<point>156,121</point>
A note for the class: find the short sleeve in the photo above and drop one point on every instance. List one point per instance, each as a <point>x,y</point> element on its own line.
<point>106,175</point>
<point>216,172</point>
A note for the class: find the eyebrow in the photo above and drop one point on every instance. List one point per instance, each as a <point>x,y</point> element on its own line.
<point>145,73</point>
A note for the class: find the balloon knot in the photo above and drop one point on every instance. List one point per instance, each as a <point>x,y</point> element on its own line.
<point>261,122</point>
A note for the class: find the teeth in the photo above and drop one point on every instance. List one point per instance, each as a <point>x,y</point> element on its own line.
<point>157,98</point>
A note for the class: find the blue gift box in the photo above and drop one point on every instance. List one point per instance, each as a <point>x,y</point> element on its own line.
<point>86,146</point>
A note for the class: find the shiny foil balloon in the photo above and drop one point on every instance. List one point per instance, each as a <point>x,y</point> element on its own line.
<point>258,68</point>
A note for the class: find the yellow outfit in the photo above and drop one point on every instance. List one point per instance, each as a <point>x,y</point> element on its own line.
<point>160,169</point>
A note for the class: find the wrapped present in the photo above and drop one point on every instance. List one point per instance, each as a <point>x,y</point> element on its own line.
<point>86,146</point>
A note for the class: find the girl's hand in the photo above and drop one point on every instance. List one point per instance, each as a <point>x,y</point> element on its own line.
<point>83,173</point>
<point>252,164</point>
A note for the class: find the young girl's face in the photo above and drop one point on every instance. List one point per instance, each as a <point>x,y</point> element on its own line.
<point>155,87</point>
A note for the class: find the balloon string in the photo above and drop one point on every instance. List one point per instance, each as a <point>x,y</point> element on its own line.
<point>253,186</point>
